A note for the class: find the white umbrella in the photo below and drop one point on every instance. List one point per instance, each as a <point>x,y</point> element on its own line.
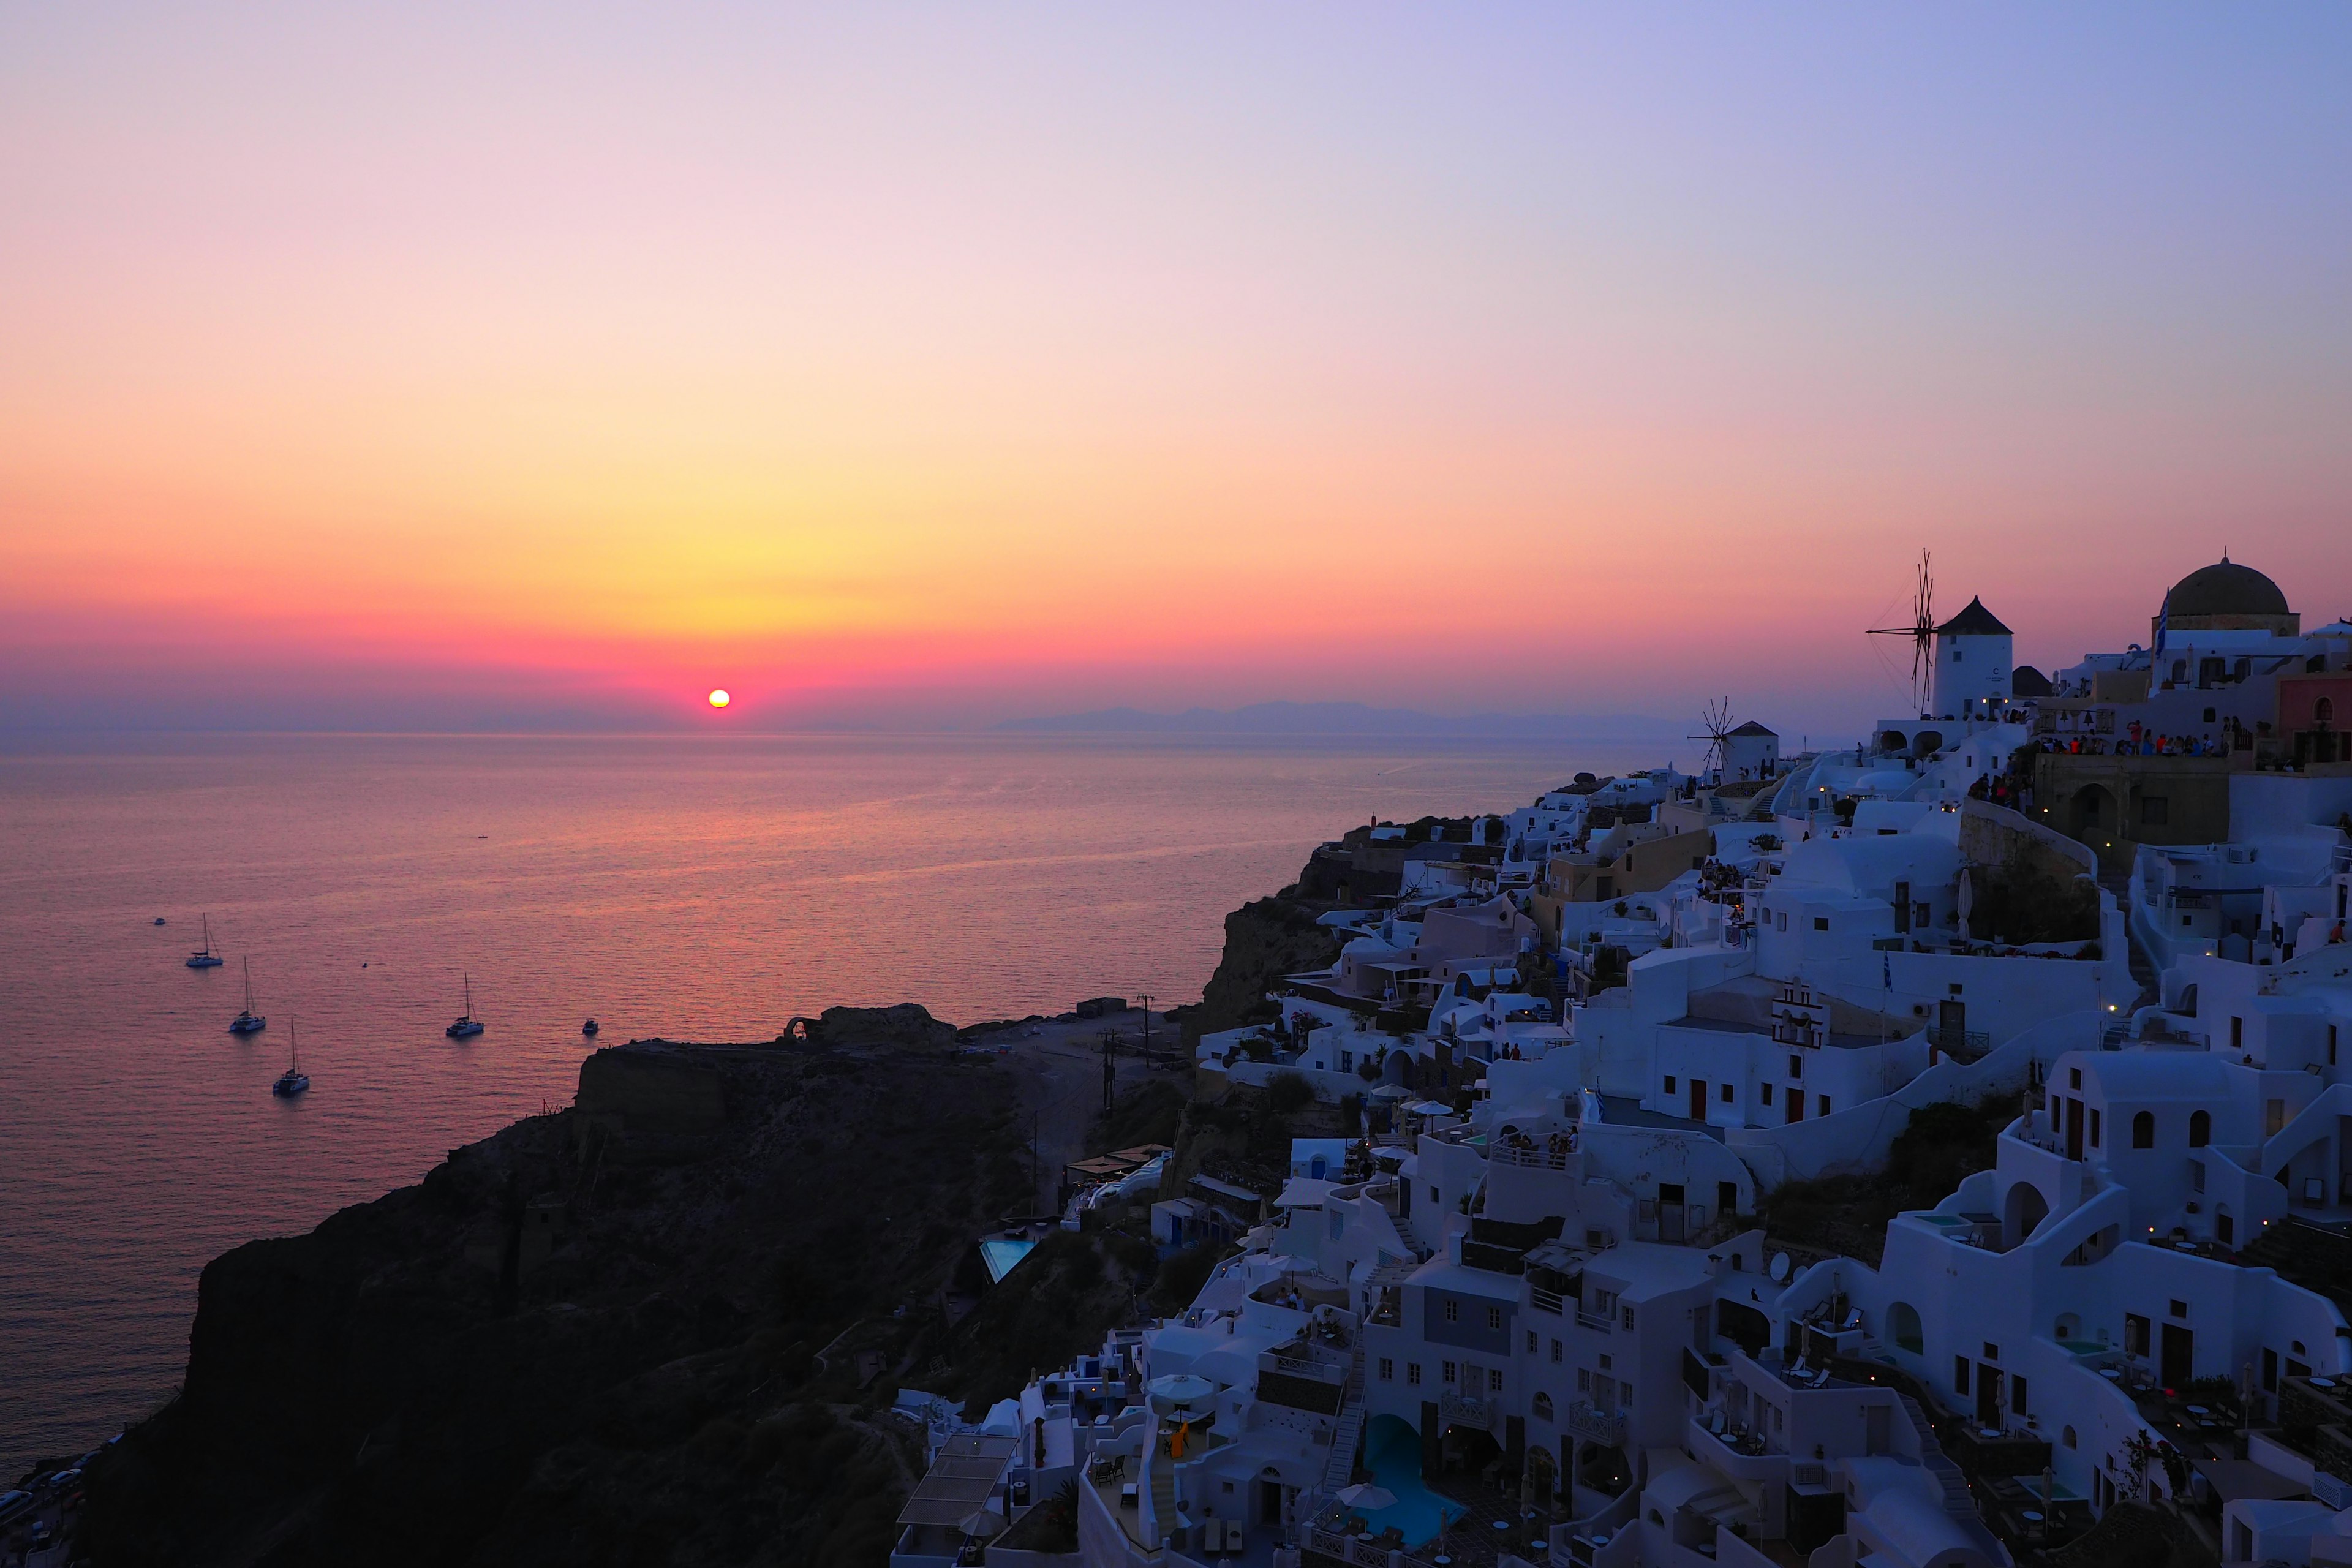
<point>1967,902</point>
<point>1368,1496</point>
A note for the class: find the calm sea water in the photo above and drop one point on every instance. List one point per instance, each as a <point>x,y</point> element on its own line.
<point>695,889</point>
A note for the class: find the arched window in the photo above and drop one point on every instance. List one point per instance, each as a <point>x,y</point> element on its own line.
<point>1543,1406</point>
<point>2324,711</point>
<point>2144,1129</point>
<point>1902,1322</point>
<point>2067,1437</point>
<point>2200,1129</point>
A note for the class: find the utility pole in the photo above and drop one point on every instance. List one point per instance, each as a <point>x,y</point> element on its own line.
<point>1147,1031</point>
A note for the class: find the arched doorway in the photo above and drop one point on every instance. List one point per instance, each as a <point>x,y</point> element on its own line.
<point>2091,814</point>
<point>2021,1211</point>
<point>1601,1468</point>
<point>1471,1452</point>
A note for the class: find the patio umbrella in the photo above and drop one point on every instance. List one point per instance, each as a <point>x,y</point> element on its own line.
<point>1368,1496</point>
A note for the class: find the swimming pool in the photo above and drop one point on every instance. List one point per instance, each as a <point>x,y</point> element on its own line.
<point>1001,1253</point>
<point>1392,1453</point>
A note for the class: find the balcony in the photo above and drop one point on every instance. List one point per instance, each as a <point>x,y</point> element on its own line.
<point>1466,1410</point>
<point>1594,1425</point>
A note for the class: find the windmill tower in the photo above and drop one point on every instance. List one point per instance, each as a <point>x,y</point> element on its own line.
<point>1715,722</point>
<point>1922,635</point>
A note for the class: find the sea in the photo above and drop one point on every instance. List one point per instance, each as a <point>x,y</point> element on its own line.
<point>693,888</point>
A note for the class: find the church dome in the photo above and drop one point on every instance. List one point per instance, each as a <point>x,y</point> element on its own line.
<point>2226,588</point>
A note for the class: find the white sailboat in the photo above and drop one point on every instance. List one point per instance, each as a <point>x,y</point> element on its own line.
<point>248,1022</point>
<point>293,1080</point>
<point>466,1027</point>
<point>205,957</point>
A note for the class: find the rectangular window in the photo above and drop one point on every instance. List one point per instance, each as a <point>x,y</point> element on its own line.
<point>1433,1194</point>
<point>1494,1316</point>
<point>1583,1380</point>
<point>1726,1094</point>
<point>2095,1128</point>
<point>1780,920</point>
<point>1960,1375</point>
<point>1820,1105</point>
<point>2237,1034</point>
<point>2135,1335</point>
<point>1820,922</point>
<point>1446,1370</point>
<point>1452,1312</point>
<point>1764,1092</point>
<point>1555,1352</point>
<point>1531,1342</point>
<point>1670,1083</point>
<point>1347,1061</point>
<point>2179,1309</point>
<point>1796,1064</point>
<point>1388,1369</point>
<point>1495,1381</point>
<point>2073,1077</point>
<point>1413,1374</point>
<point>2017,1394</point>
<point>1628,1319</point>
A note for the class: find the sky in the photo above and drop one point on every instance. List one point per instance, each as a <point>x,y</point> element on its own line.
<point>519,366</point>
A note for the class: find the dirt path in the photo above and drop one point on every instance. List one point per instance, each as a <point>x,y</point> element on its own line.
<point>1058,1071</point>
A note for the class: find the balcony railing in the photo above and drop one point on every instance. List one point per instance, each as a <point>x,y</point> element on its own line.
<point>1965,1044</point>
<point>1466,1410</point>
<point>1539,1158</point>
<point>1592,1422</point>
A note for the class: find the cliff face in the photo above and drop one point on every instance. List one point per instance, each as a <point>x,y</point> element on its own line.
<point>591,1338</point>
<point>1265,940</point>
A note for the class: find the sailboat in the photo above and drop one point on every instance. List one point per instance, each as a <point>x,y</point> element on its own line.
<point>293,1080</point>
<point>205,957</point>
<point>248,1022</point>
<point>465,1028</point>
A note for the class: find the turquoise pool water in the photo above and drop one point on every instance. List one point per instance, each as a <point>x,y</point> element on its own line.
<point>1392,1453</point>
<point>1001,1255</point>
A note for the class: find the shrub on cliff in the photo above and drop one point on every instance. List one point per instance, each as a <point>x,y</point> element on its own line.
<point>1288,1093</point>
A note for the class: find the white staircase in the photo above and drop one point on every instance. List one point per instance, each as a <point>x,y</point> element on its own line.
<point>1340,1467</point>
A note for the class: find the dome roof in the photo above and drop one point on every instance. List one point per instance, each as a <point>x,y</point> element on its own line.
<point>2226,588</point>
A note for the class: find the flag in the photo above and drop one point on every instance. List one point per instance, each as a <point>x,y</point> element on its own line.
<point>2163,620</point>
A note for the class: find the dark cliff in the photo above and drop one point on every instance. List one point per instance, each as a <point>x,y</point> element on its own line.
<point>596,1337</point>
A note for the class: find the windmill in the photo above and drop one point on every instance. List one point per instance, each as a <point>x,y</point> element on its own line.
<point>1922,633</point>
<point>1716,725</point>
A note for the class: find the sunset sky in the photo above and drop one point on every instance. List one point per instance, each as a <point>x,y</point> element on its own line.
<point>546,366</point>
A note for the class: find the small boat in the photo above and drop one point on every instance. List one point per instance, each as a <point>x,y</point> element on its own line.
<point>205,957</point>
<point>160,920</point>
<point>248,1022</point>
<point>589,1029</point>
<point>293,1080</point>
<point>466,1027</point>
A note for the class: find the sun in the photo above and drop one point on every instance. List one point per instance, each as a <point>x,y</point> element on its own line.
<point>719,698</point>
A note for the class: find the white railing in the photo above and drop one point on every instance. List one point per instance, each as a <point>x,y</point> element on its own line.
<point>1592,1422</point>
<point>1539,1158</point>
<point>1466,1410</point>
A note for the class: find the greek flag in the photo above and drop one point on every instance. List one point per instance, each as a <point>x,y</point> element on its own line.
<point>2163,621</point>
<point>1886,971</point>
